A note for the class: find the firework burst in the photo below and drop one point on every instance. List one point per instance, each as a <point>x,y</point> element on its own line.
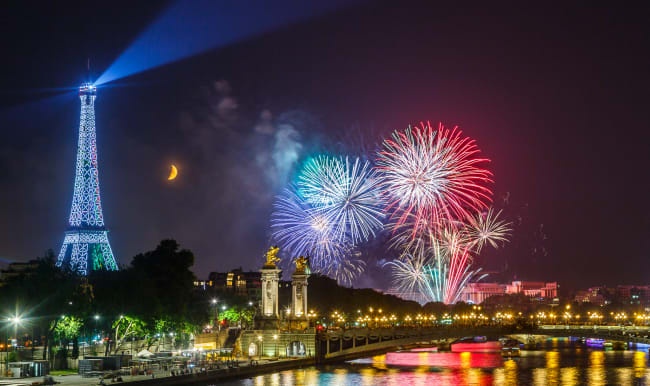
<point>345,194</point>
<point>409,273</point>
<point>487,228</point>
<point>303,223</point>
<point>434,175</point>
<point>302,231</point>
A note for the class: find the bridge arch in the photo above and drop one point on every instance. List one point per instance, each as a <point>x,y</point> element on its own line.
<point>253,349</point>
<point>296,348</point>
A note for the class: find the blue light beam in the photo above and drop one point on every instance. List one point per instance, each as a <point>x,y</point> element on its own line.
<point>190,27</point>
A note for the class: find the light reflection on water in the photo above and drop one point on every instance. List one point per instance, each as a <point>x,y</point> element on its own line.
<point>560,365</point>
<point>597,368</point>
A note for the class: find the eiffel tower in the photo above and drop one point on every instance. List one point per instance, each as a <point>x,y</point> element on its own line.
<point>85,245</point>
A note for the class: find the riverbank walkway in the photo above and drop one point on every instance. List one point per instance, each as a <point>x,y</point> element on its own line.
<point>162,377</point>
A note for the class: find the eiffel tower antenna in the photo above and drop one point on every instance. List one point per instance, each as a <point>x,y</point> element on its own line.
<point>85,245</point>
<point>89,80</point>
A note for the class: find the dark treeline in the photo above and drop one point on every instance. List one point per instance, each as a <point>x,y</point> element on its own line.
<point>327,297</point>
<point>152,296</point>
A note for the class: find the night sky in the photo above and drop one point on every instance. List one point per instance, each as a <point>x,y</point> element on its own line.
<point>555,94</point>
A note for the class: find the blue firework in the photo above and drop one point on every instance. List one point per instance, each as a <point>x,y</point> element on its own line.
<point>301,230</point>
<point>344,194</point>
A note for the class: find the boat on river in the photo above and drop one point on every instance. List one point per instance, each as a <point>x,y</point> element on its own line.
<point>510,348</point>
<point>476,344</point>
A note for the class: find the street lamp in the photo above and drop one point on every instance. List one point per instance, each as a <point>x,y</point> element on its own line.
<point>216,325</point>
<point>259,338</point>
<point>275,343</point>
<point>7,347</point>
<point>96,321</point>
<point>171,341</point>
<point>16,320</point>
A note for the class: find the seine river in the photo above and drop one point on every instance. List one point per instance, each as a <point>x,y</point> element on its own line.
<point>559,363</point>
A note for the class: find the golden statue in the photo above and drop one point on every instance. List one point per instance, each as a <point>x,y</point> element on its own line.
<point>302,263</point>
<point>271,257</point>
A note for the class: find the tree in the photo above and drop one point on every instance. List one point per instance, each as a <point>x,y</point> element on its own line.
<point>326,296</point>
<point>40,295</point>
<point>436,308</point>
<point>167,271</point>
<point>157,289</point>
<point>238,315</point>
<point>66,330</point>
<point>125,327</point>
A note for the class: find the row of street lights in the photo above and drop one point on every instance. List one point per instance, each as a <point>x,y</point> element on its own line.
<point>377,318</point>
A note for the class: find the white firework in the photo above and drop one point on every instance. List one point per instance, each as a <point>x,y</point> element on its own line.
<point>487,228</point>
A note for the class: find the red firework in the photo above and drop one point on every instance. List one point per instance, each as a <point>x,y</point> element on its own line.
<point>433,176</point>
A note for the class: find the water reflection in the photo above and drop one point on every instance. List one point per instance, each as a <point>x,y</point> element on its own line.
<point>539,377</point>
<point>553,367</point>
<point>596,372</point>
<point>368,376</point>
<point>510,369</point>
<point>624,376</point>
<point>564,365</point>
<point>639,364</point>
<point>569,376</point>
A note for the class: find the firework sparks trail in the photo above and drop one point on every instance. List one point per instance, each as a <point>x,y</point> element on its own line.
<point>487,228</point>
<point>302,231</point>
<point>437,263</point>
<point>345,194</point>
<point>434,275</point>
<point>344,271</point>
<point>436,284</point>
<point>402,239</point>
<point>434,175</point>
<point>458,268</point>
<point>409,273</point>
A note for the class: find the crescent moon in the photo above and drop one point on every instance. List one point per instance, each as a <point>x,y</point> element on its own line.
<point>173,173</point>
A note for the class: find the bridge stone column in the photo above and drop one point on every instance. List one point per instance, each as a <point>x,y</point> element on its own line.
<point>299,289</point>
<point>269,314</point>
<point>328,345</point>
<point>270,282</point>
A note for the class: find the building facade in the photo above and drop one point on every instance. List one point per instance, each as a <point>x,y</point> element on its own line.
<point>476,293</point>
<point>621,294</point>
<point>18,269</point>
<point>237,281</point>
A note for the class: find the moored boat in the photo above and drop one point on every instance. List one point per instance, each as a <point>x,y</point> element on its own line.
<point>476,344</point>
<point>510,348</point>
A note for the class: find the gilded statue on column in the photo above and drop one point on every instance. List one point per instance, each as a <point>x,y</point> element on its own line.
<point>271,257</point>
<point>302,264</point>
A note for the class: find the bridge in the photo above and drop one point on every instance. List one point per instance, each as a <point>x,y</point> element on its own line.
<point>346,344</point>
<point>635,334</point>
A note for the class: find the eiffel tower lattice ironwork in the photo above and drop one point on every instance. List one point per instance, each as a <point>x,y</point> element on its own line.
<point>85,245</point>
